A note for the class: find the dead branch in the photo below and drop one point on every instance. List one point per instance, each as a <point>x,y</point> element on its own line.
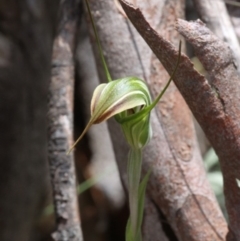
<point>220,124</point>
<point>215,15</point>
<point>26,37</point>
<point>123,60</point>
<point>213,103</point>
<point>61,126</point>
<point>178,183</point>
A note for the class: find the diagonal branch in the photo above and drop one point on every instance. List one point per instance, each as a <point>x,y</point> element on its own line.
<point>222,127</point>
<point>61,126</point>
<point>178,184</point>
<point>222,26</point>
<point>215,104</point>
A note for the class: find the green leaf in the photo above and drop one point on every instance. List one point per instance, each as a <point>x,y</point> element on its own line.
<point>141,198</point>
<point>216,180</point>
<point>134,174</point>
<point>129,234</point>
<point>210,159</point>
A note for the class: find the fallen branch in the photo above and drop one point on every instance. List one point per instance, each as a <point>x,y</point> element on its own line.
<point>215,104</point>
<point>221,122</point>
<point>220,25</point>
<point>178,183</point>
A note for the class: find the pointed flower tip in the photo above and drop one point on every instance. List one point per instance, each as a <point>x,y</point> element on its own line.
<point>116,98</point>
<point>69,150</point>
<point>81,136</point>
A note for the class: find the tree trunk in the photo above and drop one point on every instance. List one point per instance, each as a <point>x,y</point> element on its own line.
<point>26,37</point>
<point>60,129</point>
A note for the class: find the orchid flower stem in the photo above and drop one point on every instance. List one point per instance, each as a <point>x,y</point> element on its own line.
<point>134,174</point>
<point>129,100</point>
<point>109,79</point>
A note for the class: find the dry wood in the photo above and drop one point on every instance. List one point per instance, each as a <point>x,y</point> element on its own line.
<point>60,128</point>
<point>178,183</point>
<point>215,15</point>
<point>220,122</point>
<point>215,104</point>
<point>116,37</point>
<point>152,228</point>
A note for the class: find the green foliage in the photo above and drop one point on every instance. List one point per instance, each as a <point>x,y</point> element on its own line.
<point>141,197</point>
<point>129,101</point>
<point>215,178</point>
<point>133,229</point>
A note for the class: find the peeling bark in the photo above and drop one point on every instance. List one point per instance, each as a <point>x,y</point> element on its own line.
<point>60,128</point>
<point>178,176</point>
<point>26,36</point>
<point>215,104</point>
<point>220,25</point>
<point>222,126</point>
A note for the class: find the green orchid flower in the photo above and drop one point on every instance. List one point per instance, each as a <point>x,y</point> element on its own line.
<point>129,101</point>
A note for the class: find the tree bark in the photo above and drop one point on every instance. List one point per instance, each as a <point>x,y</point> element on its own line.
<point>26,37</point>
<point>103,157</point>
<point>214,103</point>
<point>152,226</point>
<point>60,130</point>
<point>178,184</point>
<point>123,60</point>
<point>222,26</point>
<point>222,126</point>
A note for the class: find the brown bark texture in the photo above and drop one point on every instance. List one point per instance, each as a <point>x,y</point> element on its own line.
<point>123,60</point>
<point>60,126</point>
<point>152,228</point>
<point>220,25</point>
<point>221,122</point>
<point>178,184</point>
<point>102,157</point>
<point>215,103</point>
<point>26,37</point>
